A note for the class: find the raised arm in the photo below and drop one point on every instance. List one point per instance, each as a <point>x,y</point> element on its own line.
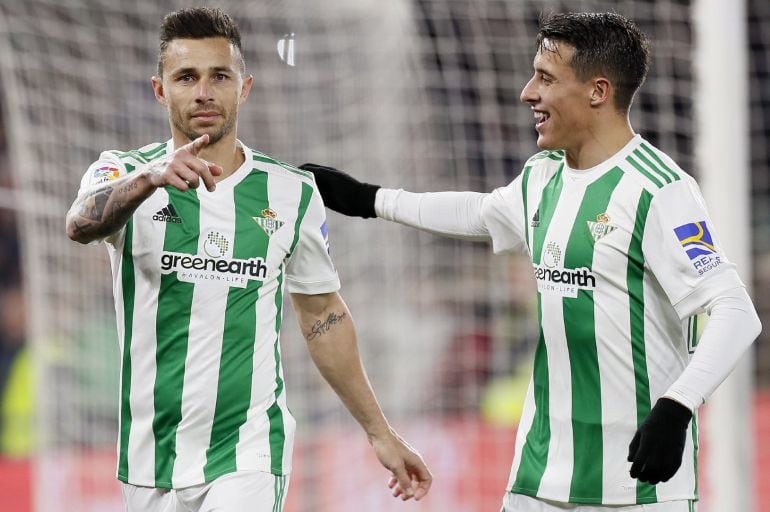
<point>331,338</point>
<point>103,210</point>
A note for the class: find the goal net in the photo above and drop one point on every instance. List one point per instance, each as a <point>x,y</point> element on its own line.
<point>418,94</point>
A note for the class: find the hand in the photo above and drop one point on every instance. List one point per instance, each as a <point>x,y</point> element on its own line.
<point>657,447</point>
<point>342,192</point>
<point>411,477</point>
<point>185,169</point>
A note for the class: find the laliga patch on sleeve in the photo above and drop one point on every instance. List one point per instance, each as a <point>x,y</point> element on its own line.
<point>104,174</point>
<point>698,244</point>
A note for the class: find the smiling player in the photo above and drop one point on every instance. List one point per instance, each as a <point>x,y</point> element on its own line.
<point>624,255</point>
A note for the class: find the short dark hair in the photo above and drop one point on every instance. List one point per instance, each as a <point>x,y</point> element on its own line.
<point>605,44</point>
<point>198,23</point>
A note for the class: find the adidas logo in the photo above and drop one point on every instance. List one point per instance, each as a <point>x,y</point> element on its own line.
<point>536,219</point>
<point>167,214</point>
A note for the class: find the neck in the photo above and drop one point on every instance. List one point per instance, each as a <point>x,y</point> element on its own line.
<point>226,152</point>
<point>605,138</point>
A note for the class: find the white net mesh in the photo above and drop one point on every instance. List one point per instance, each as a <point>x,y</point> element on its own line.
<point>419,94</point>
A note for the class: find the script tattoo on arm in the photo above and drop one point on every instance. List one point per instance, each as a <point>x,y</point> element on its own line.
<point>322,327</point>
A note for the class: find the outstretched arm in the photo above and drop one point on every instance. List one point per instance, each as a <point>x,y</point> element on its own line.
<point>455,214</point>
<point>331,338</point>
<point>103,210</point>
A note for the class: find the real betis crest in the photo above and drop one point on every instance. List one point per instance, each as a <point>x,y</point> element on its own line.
<point>601,227</point>
<point>268,221</point>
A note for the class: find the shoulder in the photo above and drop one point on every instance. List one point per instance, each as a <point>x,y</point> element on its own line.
<point>271,165</point>
<point>653,170</point>
<point>136,157</point>
<point>542,166</point>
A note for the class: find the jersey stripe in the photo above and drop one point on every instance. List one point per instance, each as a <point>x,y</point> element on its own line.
<point>172,331</point>
<point>644,171</point>
<point>259,157</point>
<point>645,493</point>
<point>277,434</point>
<point>236,363</point>
<point>279,492</point>
<point>548,201</point>
<point>694,427</point>
<point>133,154</point>
<point>581,345</point>
<point>524,186</point>
<point>657,170</point>
<point>152,153</point>
<point>535,451</point>
<point>692,333</point>
<point>555,155</point>
<point>128,285</point>
<point>660,161</point>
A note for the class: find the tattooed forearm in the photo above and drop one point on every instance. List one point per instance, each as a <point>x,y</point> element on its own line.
<point>106,209</point>
<point>128,187</point>
<point>322,327</point>
<point>93,205</point>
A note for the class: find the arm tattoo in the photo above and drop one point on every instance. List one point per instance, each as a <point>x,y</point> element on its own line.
<point>322,327</point>
<point>107,209</point>
<point>93,205</point>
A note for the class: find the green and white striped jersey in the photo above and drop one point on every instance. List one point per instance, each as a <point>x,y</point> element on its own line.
<point>198,279</point>
<point>624,255</point>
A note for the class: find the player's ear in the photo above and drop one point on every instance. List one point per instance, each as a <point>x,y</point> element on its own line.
<point>600,91</point>
<point>248,81</point>
<point>157,88</point>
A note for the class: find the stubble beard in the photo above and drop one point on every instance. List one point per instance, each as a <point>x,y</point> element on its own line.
<point>215,137</point>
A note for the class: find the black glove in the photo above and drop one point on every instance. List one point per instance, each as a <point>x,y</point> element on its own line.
<point>657,447</point>
<point>342,192</point>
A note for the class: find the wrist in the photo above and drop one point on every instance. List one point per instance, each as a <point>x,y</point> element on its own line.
<point>369,198</point>
<point>678,413</point>
<point>379,432</point>
<point>150,174</point>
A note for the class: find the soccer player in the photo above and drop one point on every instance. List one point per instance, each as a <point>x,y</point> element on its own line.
<point>624,255</point>
<point>203,234</point>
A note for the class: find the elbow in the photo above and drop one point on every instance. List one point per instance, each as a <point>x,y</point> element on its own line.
<point>76,237</point>
<point>755,325</point>
<point>76,233</point>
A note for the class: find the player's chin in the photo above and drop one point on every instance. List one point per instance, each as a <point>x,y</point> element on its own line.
<point>214,133</point>
<point>546,143</point>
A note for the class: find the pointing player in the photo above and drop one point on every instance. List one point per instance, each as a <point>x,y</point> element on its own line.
<point>624,254</point>
<point>203,234</point>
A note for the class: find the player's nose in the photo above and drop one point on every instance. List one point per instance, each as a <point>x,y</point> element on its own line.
<point>203,91</point>
<point>529,93</point>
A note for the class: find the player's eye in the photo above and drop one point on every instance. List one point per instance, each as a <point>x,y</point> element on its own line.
<point>220,76</point>
<point>186,78</point>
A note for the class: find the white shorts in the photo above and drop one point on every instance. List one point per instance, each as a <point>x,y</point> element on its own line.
<point>255,491</point>
<point>522,503</point>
